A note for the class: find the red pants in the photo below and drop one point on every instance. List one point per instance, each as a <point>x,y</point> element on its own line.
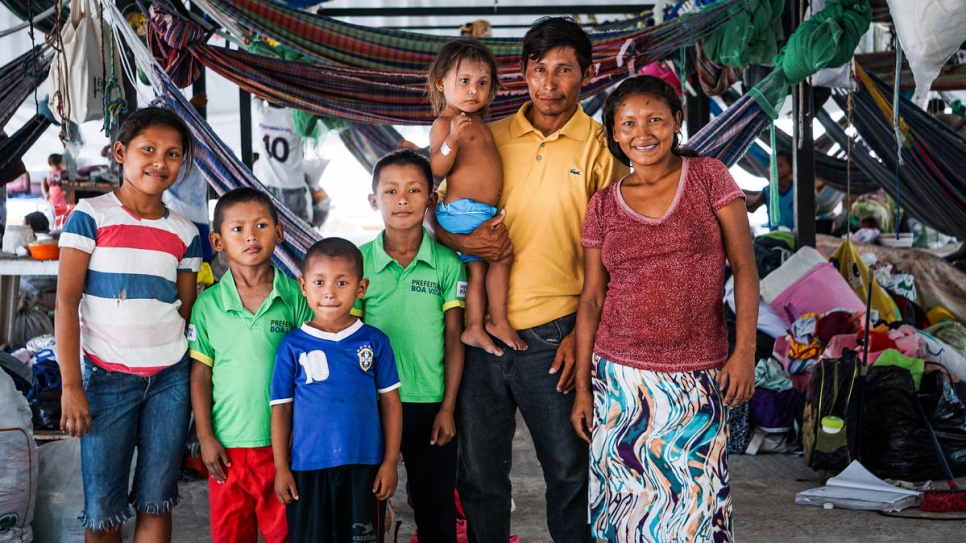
<point>245,503</point>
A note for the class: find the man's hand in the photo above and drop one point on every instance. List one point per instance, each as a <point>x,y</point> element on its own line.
<point>489,240</point>
<point>214,456</point>
<point>582,414</point>
<point>564,363</point>
<point>736,380</point>
<point>444,428</point>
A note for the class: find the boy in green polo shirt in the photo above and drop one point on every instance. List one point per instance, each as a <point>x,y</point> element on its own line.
<point>416,296</point>
<point>235,328</point>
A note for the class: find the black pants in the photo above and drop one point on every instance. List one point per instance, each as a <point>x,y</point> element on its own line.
<point>336,505</point>
<point>431,474</point>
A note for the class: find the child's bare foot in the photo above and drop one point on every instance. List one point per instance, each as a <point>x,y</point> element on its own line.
<point>477,337</point>
<point>505,333</point>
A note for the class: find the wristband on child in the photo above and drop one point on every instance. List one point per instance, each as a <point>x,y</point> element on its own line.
<point>445,149</point>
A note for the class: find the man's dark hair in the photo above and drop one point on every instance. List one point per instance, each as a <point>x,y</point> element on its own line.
<point>552,32</point>
<point>242,195</point>
<point>335,248</point>
<point>403,157</point>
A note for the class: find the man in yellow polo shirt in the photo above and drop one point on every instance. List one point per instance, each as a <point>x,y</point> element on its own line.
<point>554,160</point>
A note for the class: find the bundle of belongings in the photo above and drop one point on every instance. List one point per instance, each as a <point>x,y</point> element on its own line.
<point>834,387</point>
<point>39,360</point>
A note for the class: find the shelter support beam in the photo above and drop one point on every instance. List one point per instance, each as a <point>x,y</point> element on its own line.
<point>803,163</point>
<point>245,110</point>
<point>698,112</point>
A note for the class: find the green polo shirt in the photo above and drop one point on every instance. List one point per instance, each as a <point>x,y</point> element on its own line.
<point>408,305</point>
<point>240,348</point>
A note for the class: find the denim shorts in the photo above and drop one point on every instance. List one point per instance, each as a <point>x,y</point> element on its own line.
<point>128,412</point>
<point>462,217</point>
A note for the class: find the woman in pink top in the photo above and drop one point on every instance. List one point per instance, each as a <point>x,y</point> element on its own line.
<point>654,377</point>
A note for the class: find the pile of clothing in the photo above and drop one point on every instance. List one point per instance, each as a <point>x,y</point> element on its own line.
<point>814,308</point>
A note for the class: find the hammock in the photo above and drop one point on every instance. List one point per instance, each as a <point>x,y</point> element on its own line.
<point>332,41</point>
<point>379,96</point>
<point>23,8</point>
<point>14,147</point>
<point>223,170</point>
<point>930,185</point>
<point>20,77</point>
<point>729,135</point>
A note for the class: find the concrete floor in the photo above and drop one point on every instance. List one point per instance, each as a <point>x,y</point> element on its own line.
<point>764,490</point>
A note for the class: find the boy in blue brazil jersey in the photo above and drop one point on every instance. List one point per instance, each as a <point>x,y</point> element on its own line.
<point>335,400</point>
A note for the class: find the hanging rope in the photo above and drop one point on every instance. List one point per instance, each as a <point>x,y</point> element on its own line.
<point>898,133</point>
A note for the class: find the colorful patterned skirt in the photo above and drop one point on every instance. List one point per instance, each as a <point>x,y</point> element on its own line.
<point>659,456</point>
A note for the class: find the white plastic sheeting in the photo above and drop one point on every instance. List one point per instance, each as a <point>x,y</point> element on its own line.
<point>930,31</point>
<point>18,470</point>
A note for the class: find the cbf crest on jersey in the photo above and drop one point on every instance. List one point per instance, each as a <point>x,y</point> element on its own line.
<point>365,355</point>
<point>316,366</point>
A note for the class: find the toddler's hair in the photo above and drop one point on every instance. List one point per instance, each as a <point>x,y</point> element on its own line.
<point>55,159</point>
<point>641,84</point>
<point>450,55</point>
<point>241,195</point>
<point>335,248</point>
<point>403,157</point>
<point>141,119</point>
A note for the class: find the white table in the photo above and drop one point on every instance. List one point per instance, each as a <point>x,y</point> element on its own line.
<point>11,268</point>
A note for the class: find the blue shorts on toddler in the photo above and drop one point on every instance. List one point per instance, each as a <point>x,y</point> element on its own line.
<point>462,217</point>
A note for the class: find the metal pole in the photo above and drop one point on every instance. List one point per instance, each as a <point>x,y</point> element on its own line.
<point>803,163</point>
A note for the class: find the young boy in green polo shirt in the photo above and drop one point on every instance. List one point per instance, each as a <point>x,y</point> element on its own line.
<point>416,295</point>
<point>235,328</point>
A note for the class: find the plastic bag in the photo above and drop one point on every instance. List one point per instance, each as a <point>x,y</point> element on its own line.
<point>895,443</point>
<point>60,494</point>
<point>18,476</point>
<point>78,74</point>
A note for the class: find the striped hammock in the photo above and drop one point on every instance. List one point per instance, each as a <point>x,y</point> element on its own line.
<point>332,41</point>
<point>20,77</point>
<point>13,148</point>
<point>390,97</point>
<point>931,184</point>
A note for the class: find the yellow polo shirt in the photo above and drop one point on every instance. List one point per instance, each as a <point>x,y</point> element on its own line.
<point>547,183</point>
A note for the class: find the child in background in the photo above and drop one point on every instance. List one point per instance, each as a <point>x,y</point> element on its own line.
<point>50,185</point>
<point>462,82</point>
<point>125,289</point>
<point>336,415</point>
<point>410,274</point>
<point>236,327</point>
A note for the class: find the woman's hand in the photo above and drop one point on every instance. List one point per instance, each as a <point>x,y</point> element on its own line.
<point>736,380</point>
<point>75,414</point>
<point>582,415</point>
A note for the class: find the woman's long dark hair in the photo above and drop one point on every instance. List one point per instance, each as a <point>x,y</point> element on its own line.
<point>642,84</point>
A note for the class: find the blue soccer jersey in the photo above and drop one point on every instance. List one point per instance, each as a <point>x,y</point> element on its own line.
<point>334,381</point>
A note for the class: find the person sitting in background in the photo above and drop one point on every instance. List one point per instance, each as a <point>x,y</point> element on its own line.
<point>37,222</point>
<point>786,196</point>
